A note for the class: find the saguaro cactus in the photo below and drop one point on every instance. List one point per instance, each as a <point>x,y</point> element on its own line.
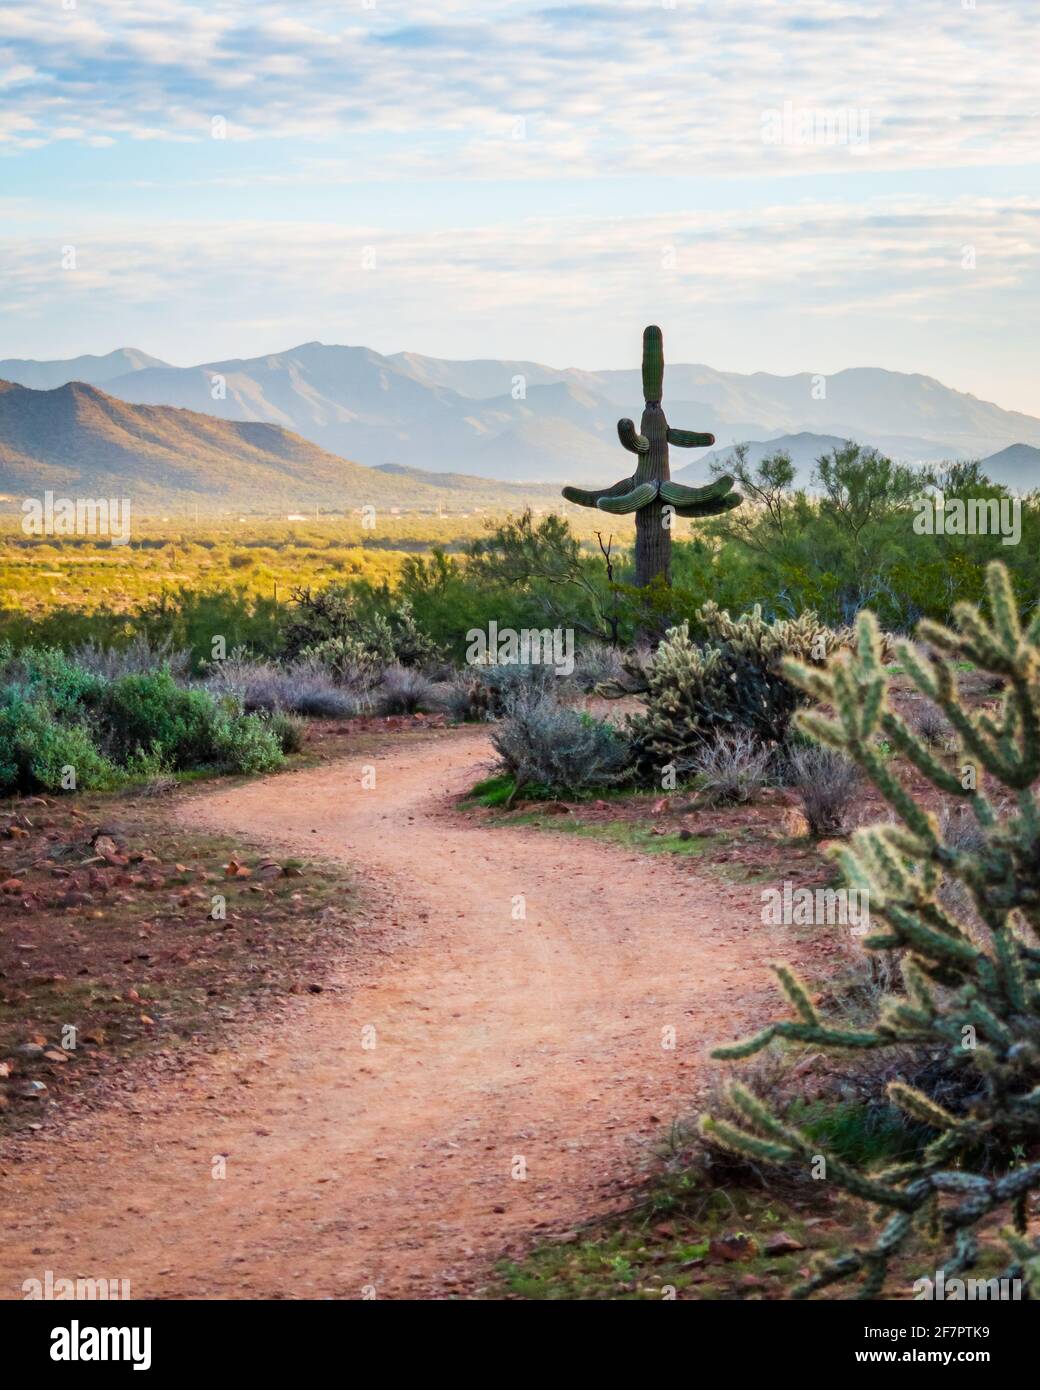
<point>650,490</point>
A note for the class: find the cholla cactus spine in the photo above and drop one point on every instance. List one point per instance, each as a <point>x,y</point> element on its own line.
<point>986,963</point>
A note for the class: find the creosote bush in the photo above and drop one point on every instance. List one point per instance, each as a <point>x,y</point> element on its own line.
<point>973,1002</point>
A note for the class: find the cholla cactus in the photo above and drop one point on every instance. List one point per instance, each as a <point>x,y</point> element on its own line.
<point>971,961</point>
<point>695,691</point>
<point>650,489</point>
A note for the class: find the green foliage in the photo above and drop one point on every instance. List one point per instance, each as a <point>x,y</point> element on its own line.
<point>853,542</point>
<point>36,750</point>
<point>332,626</point>
<point>289,730</point>
<point>150,710</point>
<point>548,562</point>
<point>970,960</point>
<point>192,619</point>
<point>185,727</point>
<point>242,742</point>
<point>64,728</point>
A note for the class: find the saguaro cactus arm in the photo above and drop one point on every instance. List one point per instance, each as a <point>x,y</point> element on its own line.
<point>689,439</point>
<point>682,496</point>
<point>712,507</point>
<point>589,497</point>
<point>640,496</point>
<point>633,441</point>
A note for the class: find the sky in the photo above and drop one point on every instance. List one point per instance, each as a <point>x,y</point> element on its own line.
<point>782,186</point>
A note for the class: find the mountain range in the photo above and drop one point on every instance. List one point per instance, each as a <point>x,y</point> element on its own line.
<point>516,421</point>
<point>76,440</point>
<point>519,419</point>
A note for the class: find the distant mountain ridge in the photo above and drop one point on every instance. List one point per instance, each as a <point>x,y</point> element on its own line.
<point>94,371</point>
<point>1017,467</point>
<point>516,420</point>
<point>76,440</point>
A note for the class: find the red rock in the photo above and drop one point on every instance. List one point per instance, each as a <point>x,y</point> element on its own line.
<point>782,1244</point>
<point>738,1246</point>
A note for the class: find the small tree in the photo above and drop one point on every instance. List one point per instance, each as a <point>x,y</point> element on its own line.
<point>972,976</point>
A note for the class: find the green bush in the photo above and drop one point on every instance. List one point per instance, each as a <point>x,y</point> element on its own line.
<point>63,728</point>
<point>150,710</point>
<point>188,728</point>
<point>36,751</point>
<point>243,742</point>
<point>288,730</point>
<point>51,675</point>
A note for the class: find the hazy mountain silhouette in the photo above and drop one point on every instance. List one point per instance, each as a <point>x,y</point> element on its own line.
<point>519,420</point>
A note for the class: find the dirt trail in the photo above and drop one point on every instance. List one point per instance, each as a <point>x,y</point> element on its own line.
<point>500,1044</point>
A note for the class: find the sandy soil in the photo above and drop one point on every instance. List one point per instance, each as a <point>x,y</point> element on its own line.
<point>516,1080</point>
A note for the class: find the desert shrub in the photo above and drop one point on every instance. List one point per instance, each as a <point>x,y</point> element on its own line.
<point>541,741</point>
<point>138,655</point>
<point>345,661</point>
<point>185,727</point>
<point>596,663</point>
<point>332,626</point>
<point>973,1003</point>
<point>732,767</point>
<point>242,742</point>
<point>305,687</point>
<point>930,725</point>
<point>696,691</point>
<point>288,730</point>
<point>36,750</point>
<point>49,676</point>
<point>827,783</point>
<point>149,710</point>
<point>498,685</point>
<point>463,697</point>
<point>402,690</point>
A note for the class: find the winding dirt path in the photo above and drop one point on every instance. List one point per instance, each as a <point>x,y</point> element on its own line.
<point>504,1046</point>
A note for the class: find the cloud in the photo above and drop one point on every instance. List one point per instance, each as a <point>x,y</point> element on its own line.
<point>628,88</point>
<point>910,258</point>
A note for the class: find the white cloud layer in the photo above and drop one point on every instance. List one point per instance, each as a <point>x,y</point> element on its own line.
<point>632,86</point>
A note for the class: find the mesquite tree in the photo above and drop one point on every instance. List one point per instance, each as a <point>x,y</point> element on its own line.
<point>965,918</point>
<point>650,491</point>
